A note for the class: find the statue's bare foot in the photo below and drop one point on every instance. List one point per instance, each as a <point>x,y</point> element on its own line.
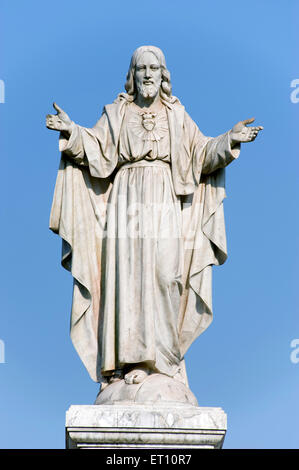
<point>137,375</point>
<point>116,376</point>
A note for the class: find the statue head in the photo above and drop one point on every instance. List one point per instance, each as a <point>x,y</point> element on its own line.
<point>148,60</point>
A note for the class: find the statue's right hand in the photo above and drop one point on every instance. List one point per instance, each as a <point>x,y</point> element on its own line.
<point>60,121</point>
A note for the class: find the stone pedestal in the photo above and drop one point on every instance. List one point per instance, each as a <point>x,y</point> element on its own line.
<point>150,426</point>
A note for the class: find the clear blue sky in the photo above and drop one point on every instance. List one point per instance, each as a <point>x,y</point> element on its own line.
<point>229,60</point>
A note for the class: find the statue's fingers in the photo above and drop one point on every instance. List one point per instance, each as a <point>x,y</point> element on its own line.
<point>58,109</point>
<point>247,121</point>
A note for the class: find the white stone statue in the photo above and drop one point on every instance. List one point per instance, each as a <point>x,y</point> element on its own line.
<point>138,204</point>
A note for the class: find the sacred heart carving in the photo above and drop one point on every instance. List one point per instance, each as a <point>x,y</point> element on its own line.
<point>148,121</point>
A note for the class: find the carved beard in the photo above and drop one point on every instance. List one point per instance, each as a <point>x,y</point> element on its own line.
<point>147,91</point>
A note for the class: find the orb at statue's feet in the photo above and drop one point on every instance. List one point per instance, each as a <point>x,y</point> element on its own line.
<point>156,388</point>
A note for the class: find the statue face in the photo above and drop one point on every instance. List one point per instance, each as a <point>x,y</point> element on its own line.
<point>148,75</point>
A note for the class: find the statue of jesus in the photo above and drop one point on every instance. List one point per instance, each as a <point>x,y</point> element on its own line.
<point>138,204</point>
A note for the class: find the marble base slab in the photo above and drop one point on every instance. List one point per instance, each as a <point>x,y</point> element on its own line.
<point>147,426</point>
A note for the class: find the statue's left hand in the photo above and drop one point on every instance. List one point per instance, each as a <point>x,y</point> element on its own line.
<point>241,133</point>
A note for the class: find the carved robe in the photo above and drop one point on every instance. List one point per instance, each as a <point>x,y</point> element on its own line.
<point>138,204</point>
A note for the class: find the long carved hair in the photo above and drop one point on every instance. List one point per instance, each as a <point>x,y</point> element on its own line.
<point>165,89</point>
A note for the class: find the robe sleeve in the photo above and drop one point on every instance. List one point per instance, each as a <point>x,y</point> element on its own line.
<point>78,215</point>
<point>92,147</point>
<point>219,153</point>
<point>203,229</point>
<point>208,154</point>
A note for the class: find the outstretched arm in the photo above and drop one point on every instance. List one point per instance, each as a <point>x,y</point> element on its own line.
<point>70,139</point>
<point>222,150</point>
<point>93,147</point>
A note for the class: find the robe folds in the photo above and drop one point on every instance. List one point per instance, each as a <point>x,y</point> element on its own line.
<point>140,298</point>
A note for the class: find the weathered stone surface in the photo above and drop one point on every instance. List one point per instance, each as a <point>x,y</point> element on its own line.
<point>156,388</point>
<point>144,426</point>
<point>140,234</point>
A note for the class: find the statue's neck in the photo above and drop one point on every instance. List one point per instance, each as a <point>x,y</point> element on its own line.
<point>149,103</point>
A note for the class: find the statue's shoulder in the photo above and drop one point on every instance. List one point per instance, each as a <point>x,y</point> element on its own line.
<point>113,113</point>
<point>118,104</point>
<point>182,117</point>
<point>123,98</point>
<point>173,103</point>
